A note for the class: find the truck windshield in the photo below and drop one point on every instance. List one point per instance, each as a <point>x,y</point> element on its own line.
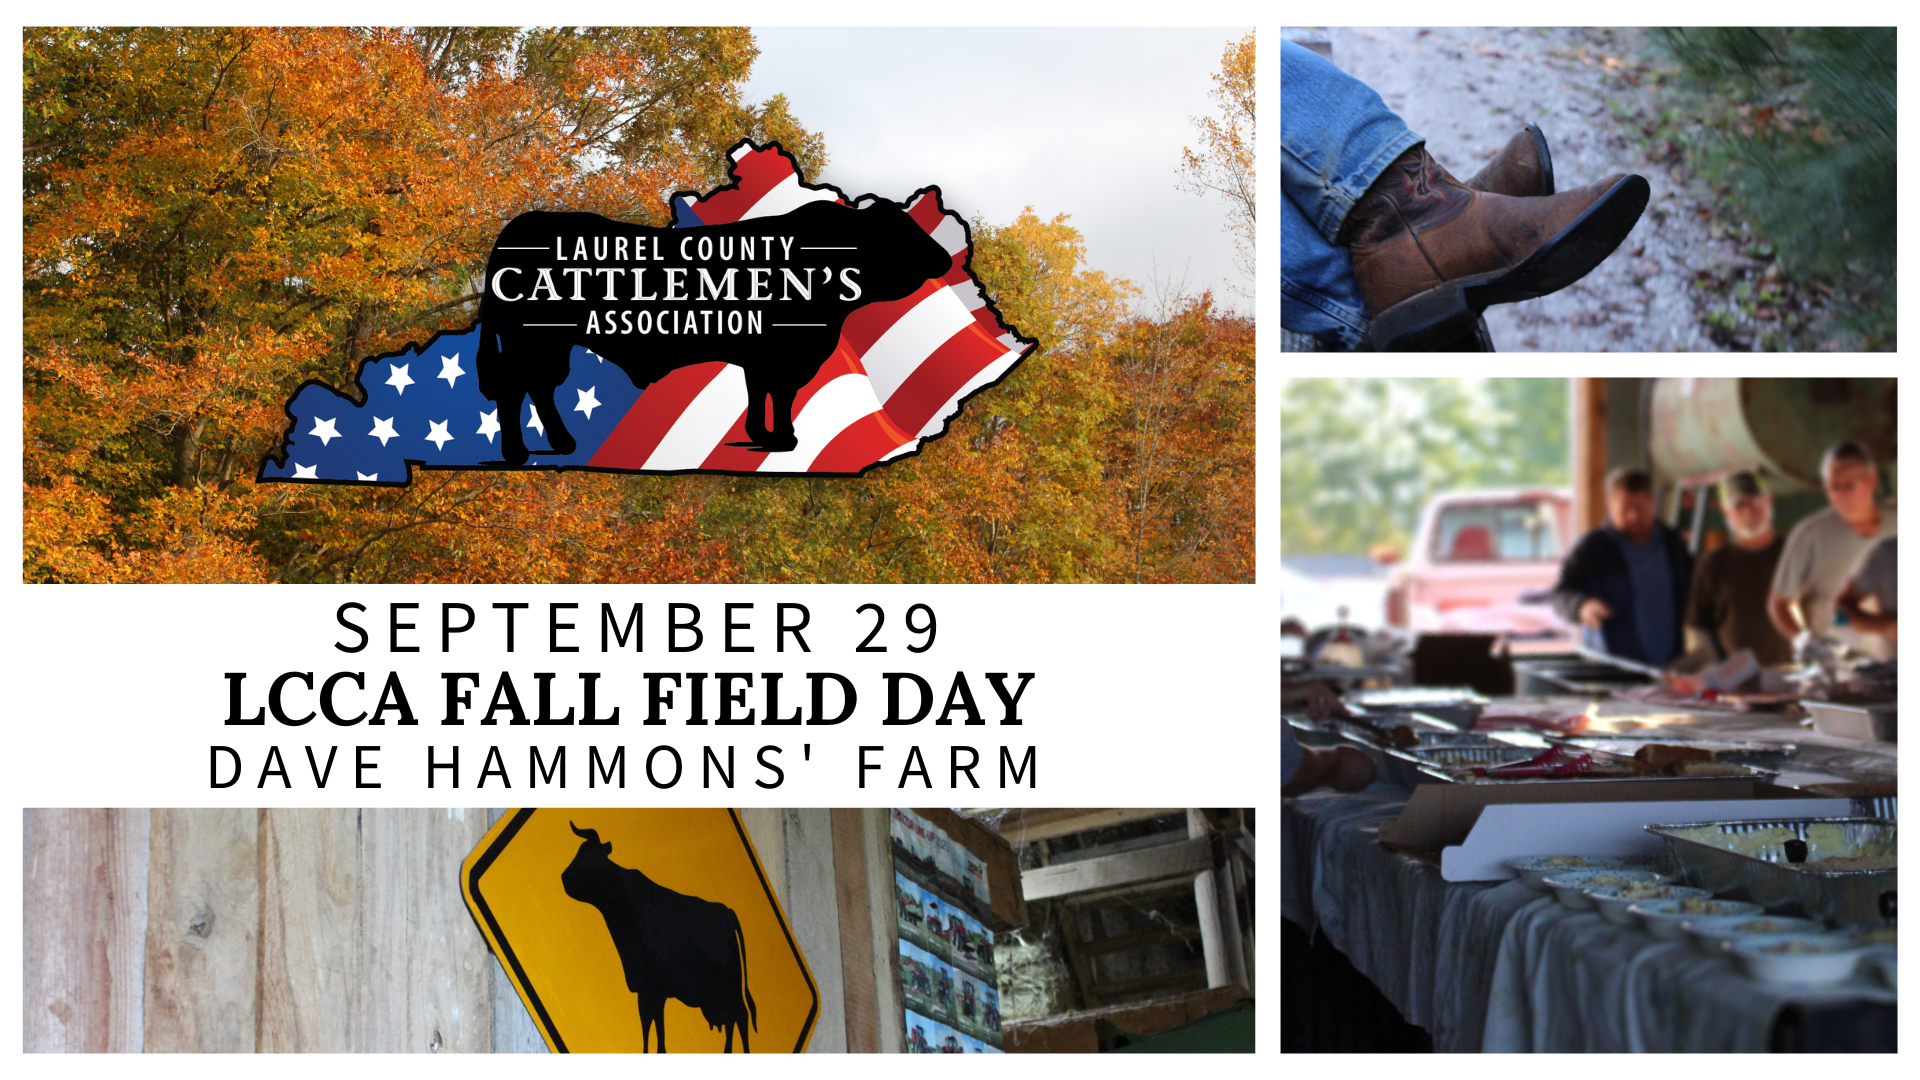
<point>1497,532</point>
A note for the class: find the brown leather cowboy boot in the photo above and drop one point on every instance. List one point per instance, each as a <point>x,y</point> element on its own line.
<point>1430,254</point>
<point>1523,167</point>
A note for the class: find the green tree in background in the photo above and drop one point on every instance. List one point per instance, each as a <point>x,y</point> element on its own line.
<point>1359,458</point>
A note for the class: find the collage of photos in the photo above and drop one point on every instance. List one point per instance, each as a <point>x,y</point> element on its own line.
<point>947,973</point>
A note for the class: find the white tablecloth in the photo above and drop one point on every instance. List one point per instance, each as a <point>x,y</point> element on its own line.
<point>1501,967</point>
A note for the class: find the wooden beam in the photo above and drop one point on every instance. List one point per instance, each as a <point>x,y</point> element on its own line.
<point>1191,978</point>
<point>1182,858</point>
<point>850,882</point>
<point>1142,940</point>
<point>1589,454</point>
<point>1022,826</point>
<point>884,926</point>
<point>85,908</point>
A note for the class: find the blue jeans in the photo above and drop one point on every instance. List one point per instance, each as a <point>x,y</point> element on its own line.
<point>1336,138</point>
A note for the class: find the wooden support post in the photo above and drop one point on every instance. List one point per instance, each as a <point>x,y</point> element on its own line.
<point>1219,927</point>
<point>854,897</point>
<point>84,902</point>
<point>1589,454</point>
<point>884,925</point>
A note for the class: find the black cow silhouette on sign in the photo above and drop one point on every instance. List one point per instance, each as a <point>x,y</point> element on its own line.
<point>841,257</point>
<point>671,945</point>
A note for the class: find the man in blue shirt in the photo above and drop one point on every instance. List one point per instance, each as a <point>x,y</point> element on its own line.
<point>1625,583</point>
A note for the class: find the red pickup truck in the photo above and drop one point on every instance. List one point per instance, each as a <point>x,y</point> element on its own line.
<point>1483,562</point>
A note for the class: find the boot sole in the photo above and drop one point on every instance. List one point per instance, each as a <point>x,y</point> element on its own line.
<point>1439,319</point>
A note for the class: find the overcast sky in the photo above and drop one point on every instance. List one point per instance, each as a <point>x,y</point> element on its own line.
<point>1086,121</point>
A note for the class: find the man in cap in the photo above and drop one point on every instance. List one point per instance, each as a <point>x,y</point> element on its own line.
<point>1727,610</point>
<point>1626,582</point>
<point>1825,547</point>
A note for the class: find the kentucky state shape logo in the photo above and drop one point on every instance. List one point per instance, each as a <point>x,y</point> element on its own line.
<point>777,328</point>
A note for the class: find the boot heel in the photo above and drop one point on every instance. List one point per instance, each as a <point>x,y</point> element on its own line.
<point>1438,320</point>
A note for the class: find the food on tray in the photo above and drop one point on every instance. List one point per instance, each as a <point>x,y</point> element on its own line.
<point>1880,935</point>
<point>1662,756</point>
<point>1801,945</point>
<point>1621,880</point>
<point>1568,861</point>
<point>1842,862</point>
<point>1766,926</point>
<point>1697,906</point>
<point>1645,890</point>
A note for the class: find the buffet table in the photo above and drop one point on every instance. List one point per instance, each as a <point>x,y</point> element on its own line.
<point>1497,966</point>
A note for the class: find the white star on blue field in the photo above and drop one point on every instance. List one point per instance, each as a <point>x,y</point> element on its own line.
<point>423,407</point>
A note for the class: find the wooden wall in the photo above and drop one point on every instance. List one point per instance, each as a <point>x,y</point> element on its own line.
<point>344,930</point>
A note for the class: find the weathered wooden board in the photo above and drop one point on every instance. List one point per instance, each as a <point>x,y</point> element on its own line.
<point>424,968</point>
<point>84,905</point>
<point>309,922</point>
<point>814,916</point>
<point>203,921</point>
<point>514,1030</point>
<point>852,888</point>
<point>1182,857</point>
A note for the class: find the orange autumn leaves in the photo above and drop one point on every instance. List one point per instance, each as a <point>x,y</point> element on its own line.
<point>213,216</point>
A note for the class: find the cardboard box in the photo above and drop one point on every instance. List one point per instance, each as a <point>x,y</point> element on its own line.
<point>1439,815</point>
<point>1510,830</point>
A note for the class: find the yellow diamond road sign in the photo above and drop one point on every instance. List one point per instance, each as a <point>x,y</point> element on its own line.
<point>634,930</point>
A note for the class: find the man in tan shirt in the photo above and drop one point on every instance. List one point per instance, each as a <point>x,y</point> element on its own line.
<point>1825,547</point>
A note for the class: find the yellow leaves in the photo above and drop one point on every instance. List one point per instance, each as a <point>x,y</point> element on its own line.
<point>1224,165</point>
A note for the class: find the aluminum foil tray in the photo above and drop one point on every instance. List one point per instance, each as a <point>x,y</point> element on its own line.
<point>1428,764</point>
<point>1748,860</point>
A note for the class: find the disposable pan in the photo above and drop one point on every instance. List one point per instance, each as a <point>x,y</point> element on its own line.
<point>1752,859</point>
<point>1428,764</point>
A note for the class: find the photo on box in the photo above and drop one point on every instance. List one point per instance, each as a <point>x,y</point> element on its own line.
<point>990,1013</point>
<point>911,906</point>
<point>964,943</point>
<point>934,931</point>
<point>920,1033</point>
<point>944,978</point>
<point>949,1041</point>
<point>916,977</point>
<point>970,1006</point>
<point>947,863</point>
<point>976,879</point>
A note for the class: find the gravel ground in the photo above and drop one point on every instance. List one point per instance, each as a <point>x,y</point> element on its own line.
<point>1468,91</point>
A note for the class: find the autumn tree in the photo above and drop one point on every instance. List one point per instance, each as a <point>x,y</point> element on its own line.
<point>213,215</point>
<point>1224,163</point>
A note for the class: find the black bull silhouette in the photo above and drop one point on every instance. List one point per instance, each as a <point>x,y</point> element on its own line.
<point>530,324</point>
<point>671,945</point>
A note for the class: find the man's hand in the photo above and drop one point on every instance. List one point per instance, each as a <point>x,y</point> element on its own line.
<point>1593,612</point>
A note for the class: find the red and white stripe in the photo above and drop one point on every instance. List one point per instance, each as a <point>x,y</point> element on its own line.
<point>898,376</point>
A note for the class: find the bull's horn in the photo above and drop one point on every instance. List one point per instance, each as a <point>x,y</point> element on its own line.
<point>584,834</point>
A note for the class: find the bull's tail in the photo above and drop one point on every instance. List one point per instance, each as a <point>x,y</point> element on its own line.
<point>753,1011</point>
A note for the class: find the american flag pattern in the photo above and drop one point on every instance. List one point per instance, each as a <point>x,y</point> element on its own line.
<point>899,376</point>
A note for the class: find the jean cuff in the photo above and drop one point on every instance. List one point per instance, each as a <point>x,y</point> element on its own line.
<point>1352,329</point>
